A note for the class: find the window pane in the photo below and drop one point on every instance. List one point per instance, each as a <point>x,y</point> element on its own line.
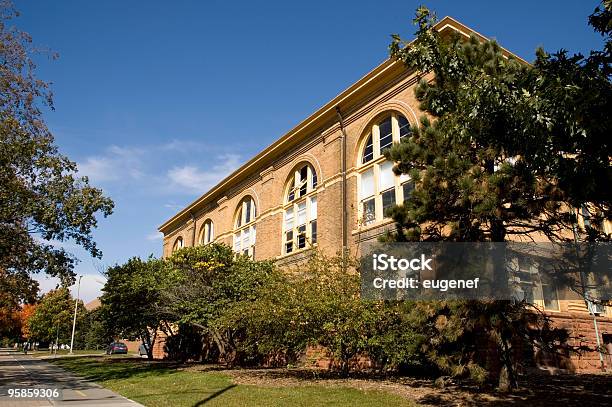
<point>301,216</point>
<point>301,238</point>
<point>313,231</point>
<point>551,301</point>
<point>209,232</point>
<point>586,216</point>
<point>369,211</point>
<point>239,218</point>
<point>367,184</point>
<point>314,179</point>
<point>404,126</point>
<point>313,208</point>
<point>388,198</point>
<point>386,135</point>
<point>237,242</point>
<point>368,151</point>
<point>407,189</point>
<point>289,219</point>
<point>387,177</point>
<point>289,242</point>
<point>291,196</point>
<point>247,211</point>
<point>303,173</point>
<point>245,238</point>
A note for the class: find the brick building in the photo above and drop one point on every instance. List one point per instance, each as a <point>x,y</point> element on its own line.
<point>326,184</point>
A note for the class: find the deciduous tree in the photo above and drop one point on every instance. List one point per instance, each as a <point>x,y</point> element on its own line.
<point>43,200</point>
<point>131,300</point>
<point>53,317</point>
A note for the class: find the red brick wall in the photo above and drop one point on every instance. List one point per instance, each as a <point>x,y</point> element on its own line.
<point>582,333</point>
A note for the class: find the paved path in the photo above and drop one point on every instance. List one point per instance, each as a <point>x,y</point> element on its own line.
<point>19,370</point>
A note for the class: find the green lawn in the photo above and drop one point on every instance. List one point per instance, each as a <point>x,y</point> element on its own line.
<point>62,352</point>
<point>160,385</point>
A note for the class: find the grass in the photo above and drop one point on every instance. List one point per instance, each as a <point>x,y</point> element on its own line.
<point>159,384</point>
<point>63,352</point>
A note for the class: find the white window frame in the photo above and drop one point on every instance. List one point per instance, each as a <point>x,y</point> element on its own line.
<point>375,164</point>
<point>244,227</point>
<point>534,284</point>
<point>207,232</point>
<point>179,243</point>
<point>309,200</point>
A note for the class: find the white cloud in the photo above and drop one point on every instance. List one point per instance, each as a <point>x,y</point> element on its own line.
<point>115,164</point>
<point>193,179</point>
<point>91,285</point>
<point>154,236</point>
<point>173,206</point>
<point>172,168</point>
<point>184,146</point>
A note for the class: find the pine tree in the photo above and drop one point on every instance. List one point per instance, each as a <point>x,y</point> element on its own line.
<point>505,151</point>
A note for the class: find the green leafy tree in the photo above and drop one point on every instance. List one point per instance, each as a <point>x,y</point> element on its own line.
<point>505,151</point>
<point>53,317</point>
<point>42,198</point>
<point>204,284</point>
<point>131,300</point>
<point>95,332</point>
<point>318,304</point>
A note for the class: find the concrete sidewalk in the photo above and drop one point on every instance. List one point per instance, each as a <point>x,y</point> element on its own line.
<point>24,371</point>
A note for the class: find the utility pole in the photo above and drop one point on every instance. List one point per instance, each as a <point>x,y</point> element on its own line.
<point>57,339</point>
<point>76,302</point>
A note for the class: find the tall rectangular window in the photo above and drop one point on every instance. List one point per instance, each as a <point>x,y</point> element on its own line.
<point>407,188</point>
<point>301,215</point>
<point>368,151</point>
<point>388,200</point>
<point>367,184</point>
<point>313,207</point>
<point>313,231</point>
<point>237,243</point>
<point>404,127</point>
<point>301,238</point>
<point>289,241</point>
<point>386,135</point>
<point>247,215</point>
<point>387,177</point>
<point>369,211</point>
<point>551,300</point>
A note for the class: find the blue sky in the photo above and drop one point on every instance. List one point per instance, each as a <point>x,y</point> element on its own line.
<point>157,101</point>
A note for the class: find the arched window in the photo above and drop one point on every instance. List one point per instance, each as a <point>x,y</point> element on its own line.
<point>300,210</point>
<point>379,187</point>
<point>207,232</point>
<point>244,227</point>
<point>178,244</point>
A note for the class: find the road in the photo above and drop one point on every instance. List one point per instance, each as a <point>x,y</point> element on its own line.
<point>24,371</point>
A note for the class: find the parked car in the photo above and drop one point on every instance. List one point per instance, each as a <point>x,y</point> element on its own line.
<point>116,347</point>
<point>142,349</point>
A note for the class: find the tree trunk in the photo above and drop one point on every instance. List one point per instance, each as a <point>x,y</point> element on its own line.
<point>507,376</point>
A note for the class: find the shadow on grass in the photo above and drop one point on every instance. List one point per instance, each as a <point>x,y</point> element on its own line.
<point>214,395</point>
